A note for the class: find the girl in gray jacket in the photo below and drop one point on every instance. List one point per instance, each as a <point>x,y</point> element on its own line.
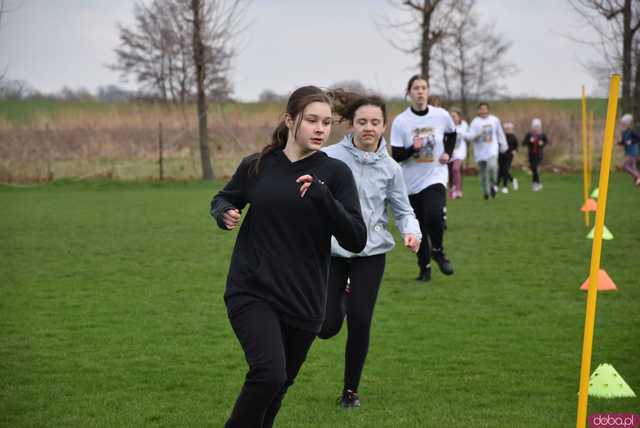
<point>354,278</point>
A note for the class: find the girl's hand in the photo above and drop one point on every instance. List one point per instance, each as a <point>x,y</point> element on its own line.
<point>306,181</point>
<point>231,218</point>
<point>412,242</point>
<point>444,158</point>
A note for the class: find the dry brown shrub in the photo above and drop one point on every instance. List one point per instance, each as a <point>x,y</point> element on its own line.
<point>122,142</point>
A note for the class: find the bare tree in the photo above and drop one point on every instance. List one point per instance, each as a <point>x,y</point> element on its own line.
<point>157,51</point>
<point>199,61</point>
<point>4,9</point>
<point>148,50</point>
<point>470,60</point>
<point>113,94</point>
<point>15,89</point>
<point>616,22</point>
<point>181,50</point>
<point>429,19</point>
<point>271,96</point>
<point>219,21</point>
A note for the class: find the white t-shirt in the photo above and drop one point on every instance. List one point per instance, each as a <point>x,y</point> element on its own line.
<point>422,169</point>
<point>460,152</point>
<point>487,136</point>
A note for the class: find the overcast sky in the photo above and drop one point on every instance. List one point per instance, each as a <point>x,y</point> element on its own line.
<point>51,43</point>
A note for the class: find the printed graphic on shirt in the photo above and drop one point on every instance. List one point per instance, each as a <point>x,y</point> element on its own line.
<point>487,134</point>
<point>426,137</point>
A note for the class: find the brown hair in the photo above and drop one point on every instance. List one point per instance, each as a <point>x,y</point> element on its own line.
<point>346,104</point>
<point>413,79</point>
<point>297,103</point>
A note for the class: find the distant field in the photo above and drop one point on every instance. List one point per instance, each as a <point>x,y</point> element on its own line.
<point>44,140</point>
<point>111,314</point>
<point>24,112</point>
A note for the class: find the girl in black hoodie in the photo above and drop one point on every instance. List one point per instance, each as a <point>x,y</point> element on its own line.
<point>277,283</point>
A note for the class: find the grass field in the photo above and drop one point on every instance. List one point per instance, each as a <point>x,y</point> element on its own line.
<point>111,314</point>
<point>18,112</point>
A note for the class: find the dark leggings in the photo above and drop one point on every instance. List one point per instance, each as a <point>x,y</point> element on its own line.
<point>534,163</point>
<point>275,352</point>
<point>430,207</point>
<point>504,167</point>
<point>365,276</point>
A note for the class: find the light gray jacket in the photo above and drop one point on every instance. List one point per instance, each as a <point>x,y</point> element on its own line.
<point>380,184</point>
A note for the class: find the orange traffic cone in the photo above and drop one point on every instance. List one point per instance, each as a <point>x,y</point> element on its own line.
<point>590,205</point>
<point>605,283</point>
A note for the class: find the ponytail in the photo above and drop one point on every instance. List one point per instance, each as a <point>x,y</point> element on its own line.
<point>278,141</point>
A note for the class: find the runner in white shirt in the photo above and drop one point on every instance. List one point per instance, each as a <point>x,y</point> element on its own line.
<point>488,138</point>
<point>459,154</point>
<point>418,139</point>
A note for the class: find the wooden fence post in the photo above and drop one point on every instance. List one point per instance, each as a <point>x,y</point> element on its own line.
<point>160,159</point>
<point>49,154</point>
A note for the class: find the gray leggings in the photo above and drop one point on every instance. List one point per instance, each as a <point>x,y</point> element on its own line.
<point>488,171</point>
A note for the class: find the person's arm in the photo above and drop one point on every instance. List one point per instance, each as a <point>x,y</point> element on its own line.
<point>503,147</point>
<point>404,217</point>
<point>400,154</point>
<point>398,151</point>
<point>449,140</point>
<point>342,207</point>
<point>450,135</point>
<point>233,196</point>
<point>473,132</point>
<point>545,140</point>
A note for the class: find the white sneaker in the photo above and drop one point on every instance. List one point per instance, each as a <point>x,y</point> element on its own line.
<point>536,187</point>
<point>505,190</point>
<point>514,184</point>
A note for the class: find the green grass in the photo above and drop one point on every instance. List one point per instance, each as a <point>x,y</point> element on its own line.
<point>23,112</point>
<point>111,314</point>
<point>18,112</point>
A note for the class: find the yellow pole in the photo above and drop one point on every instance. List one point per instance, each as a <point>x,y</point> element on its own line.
<point>603,185</point>
<point>590,151</point>
<point>585,189</point>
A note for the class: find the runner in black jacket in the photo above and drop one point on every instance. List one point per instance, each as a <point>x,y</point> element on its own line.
<point>277,282</point>
<point>535,140</point>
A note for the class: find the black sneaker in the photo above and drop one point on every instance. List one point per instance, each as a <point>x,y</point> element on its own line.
<point>443,262</point>
<point>349,400</point>
<point>424,275</point>
<point>486,197</point>
<point>493,192</point>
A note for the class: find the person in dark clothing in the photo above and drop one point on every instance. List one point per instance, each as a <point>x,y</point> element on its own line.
<point>505,159</point>
<point>355,278</point>
<point>423,139</point>
<point>535,140</point>
<point>277,282</point>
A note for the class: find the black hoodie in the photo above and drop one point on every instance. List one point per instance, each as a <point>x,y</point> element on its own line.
<point>283,250</point>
